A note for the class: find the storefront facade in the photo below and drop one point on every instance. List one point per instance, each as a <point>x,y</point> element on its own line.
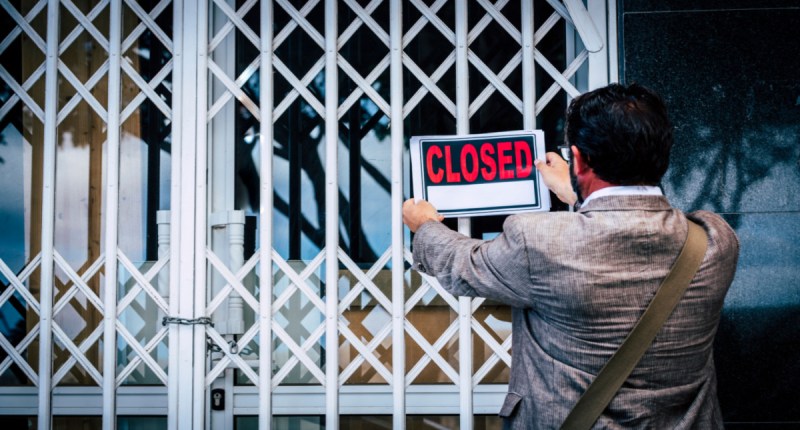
<point>165,163</point>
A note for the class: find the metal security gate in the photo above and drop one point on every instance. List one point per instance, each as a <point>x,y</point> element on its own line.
<point>182,177</point>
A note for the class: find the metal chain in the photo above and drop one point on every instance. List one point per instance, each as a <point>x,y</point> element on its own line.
<point>233,347</point>
<point>187,321</point>
<point>211,346</point>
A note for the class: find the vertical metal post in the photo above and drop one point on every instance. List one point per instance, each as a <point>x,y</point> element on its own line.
<point>201,232</point>
<point>528,67</point>
<point>48,218</point>
<point>112,211</point>
<point>331,219</point>
<point>464,225</point>
<point>174,344</point>
<point>265,228</point>
<point>221,164</point>
<point>162,221</point>
<point>183,410</point>
<point>218,160</point>
<point>235,229</point>
<point>398,261</point>
<point>598,61</point>
<point>612,44</point>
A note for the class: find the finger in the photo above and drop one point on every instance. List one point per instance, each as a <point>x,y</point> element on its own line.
<point>553,158</point>
<point>542,165</point>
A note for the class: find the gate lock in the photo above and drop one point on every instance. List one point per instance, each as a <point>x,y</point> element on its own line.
<point>217,399</point>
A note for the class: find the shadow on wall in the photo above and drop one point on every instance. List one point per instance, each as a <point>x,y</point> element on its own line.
<point>730,80</point>
<point>743,155</point>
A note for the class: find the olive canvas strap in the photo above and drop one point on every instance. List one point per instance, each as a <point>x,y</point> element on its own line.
<point>617,369</point>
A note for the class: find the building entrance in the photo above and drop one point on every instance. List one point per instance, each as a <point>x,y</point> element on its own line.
<point>201,205</point>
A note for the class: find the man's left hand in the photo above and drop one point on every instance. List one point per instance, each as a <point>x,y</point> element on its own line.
<point>417,213</point>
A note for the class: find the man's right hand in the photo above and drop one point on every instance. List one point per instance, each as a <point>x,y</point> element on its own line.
<point>555,174</point>
<point>418,212</point>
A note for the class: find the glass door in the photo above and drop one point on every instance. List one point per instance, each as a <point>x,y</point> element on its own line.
<point>87,158</point>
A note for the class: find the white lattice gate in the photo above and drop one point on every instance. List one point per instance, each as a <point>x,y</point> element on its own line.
<point>166,163</point>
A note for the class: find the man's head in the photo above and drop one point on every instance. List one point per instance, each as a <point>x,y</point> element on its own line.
<point>622,132</point>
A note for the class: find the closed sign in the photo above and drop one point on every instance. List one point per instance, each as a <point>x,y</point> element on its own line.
<point>480,174</point>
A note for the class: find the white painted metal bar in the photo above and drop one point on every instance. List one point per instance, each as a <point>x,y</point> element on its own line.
<point>551,70</point>
<point>331,218</point>
<point>496,82</point>
<point>147,90</point>
<point>585,25</point>
<point>528,68</point>
<point>173,343</point>
<point>112,218</point>
<point>598,59</point>
<point>374,399</point>
<point>612,44</point>
<point>560,9</point>
<point>223,234</point>
<point>19,91</point>
<point>182,223</point>
<point>86,23</point>
<point>570,73</point>
<point>299,352</point>
<point>464,226</point>
<point>266,104</point>
<point>79,282</point>
<point>201,21</point>
<point>230,25</point>
<point>77,30</point>
<point>235,323</point>
<point>147,21</point>
<point>364,281</point>
<point>83,92</point>
<point>23,26</point>
<point>432,352</point>
<point>48,219</point>
<point>162,276</point>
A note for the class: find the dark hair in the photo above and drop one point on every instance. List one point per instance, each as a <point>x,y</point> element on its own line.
<point>624,133</point>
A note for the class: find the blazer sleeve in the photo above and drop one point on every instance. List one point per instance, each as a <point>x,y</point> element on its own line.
<point>496,269</point>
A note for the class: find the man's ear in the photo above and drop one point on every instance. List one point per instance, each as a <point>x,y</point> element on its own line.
<point>578,160</point>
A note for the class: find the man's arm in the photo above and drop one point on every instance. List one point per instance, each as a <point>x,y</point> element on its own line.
<point>495,269</point>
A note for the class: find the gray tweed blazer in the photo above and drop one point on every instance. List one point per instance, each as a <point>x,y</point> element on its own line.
<point>577,283</point>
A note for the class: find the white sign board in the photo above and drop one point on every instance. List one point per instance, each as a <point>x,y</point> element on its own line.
<point>480,174</point>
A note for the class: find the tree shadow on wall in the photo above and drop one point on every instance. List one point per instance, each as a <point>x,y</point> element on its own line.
<point>735,157</point>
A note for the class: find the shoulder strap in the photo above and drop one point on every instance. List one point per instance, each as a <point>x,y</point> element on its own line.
<point>617,369</point>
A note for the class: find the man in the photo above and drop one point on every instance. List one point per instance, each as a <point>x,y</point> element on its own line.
<point>578,281</point>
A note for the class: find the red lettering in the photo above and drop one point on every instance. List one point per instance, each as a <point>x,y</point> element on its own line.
<point>521,149</point>
<point>452,177</point>
<point>504,160</point>
<point>436,177</point>
<point>489,171</point>
<point>490,162</point>
<point>469,150</point>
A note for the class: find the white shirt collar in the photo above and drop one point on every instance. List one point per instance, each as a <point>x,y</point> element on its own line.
<point>627,190</point>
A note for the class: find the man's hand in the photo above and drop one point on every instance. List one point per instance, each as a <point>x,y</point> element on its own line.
<point>417,213</point>
<point>555,174</point>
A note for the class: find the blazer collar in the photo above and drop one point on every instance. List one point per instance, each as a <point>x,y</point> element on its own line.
<point>623,203</point>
